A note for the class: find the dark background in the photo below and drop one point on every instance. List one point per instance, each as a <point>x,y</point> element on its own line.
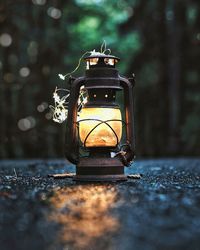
<point>157,40</point>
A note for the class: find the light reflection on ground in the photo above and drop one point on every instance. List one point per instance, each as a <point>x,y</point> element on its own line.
<point>84,213</point>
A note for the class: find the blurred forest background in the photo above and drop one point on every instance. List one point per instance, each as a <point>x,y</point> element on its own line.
<point>157,40</point>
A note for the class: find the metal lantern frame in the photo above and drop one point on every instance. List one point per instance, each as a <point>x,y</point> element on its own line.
<point>100,75</point>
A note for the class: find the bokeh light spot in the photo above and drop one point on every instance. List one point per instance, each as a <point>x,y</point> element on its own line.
<point>5,40</point>
<point>24,72</point>
<point>9,77</point>
<point>46,70</point>
<point>42,107</point>
<point>32,49</point>
<point>54,12</point>
<point>49,116</point>
<point>39,2</point>
<point>169,15</point>
<point>26,123</point>
<point>129,11</point>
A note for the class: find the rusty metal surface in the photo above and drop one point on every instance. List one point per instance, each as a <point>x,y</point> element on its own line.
<point>129,116</point>
<point>100,178</point>
<point>100,162</point>
<point>107,78</point>
<point>101,169</point>
<point>71,137</point>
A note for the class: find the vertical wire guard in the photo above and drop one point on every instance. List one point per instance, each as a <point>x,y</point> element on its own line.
<point>71,140</point>
<point>129,115</point>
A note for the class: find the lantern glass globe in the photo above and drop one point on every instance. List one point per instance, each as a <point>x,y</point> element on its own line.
<point>100,127</point>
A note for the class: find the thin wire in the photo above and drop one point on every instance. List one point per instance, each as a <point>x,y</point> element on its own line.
<point>103,46</point>
<point>98,120</point>
<point>103,51</point>
<point>109,50</point>
<point>79,62</point>
<point>61,89</point>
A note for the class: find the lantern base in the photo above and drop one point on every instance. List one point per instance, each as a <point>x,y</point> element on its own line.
<point>100,169</point>
<point>102,178</point>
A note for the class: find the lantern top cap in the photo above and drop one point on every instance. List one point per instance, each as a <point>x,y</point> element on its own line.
<point>95,54</point>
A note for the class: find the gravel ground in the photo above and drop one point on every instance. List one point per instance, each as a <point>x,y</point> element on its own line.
<point>159,211</point>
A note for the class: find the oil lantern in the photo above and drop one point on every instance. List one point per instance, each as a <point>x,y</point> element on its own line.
<point>100,138</point>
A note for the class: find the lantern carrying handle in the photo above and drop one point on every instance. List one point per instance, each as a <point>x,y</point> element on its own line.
<point>71,140</point>
<point>127,85</point>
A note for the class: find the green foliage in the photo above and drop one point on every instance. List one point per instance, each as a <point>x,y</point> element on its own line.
<point>149,74</point>
<point>156,40</point>
<point>192,13</point>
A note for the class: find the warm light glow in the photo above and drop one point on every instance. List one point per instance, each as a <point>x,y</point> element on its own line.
<point>102,135</point>
<point>84,214</point>
<point>93,61</point>
<point>109,61</point>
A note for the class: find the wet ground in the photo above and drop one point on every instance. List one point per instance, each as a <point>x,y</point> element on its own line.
<point>159,211</point>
